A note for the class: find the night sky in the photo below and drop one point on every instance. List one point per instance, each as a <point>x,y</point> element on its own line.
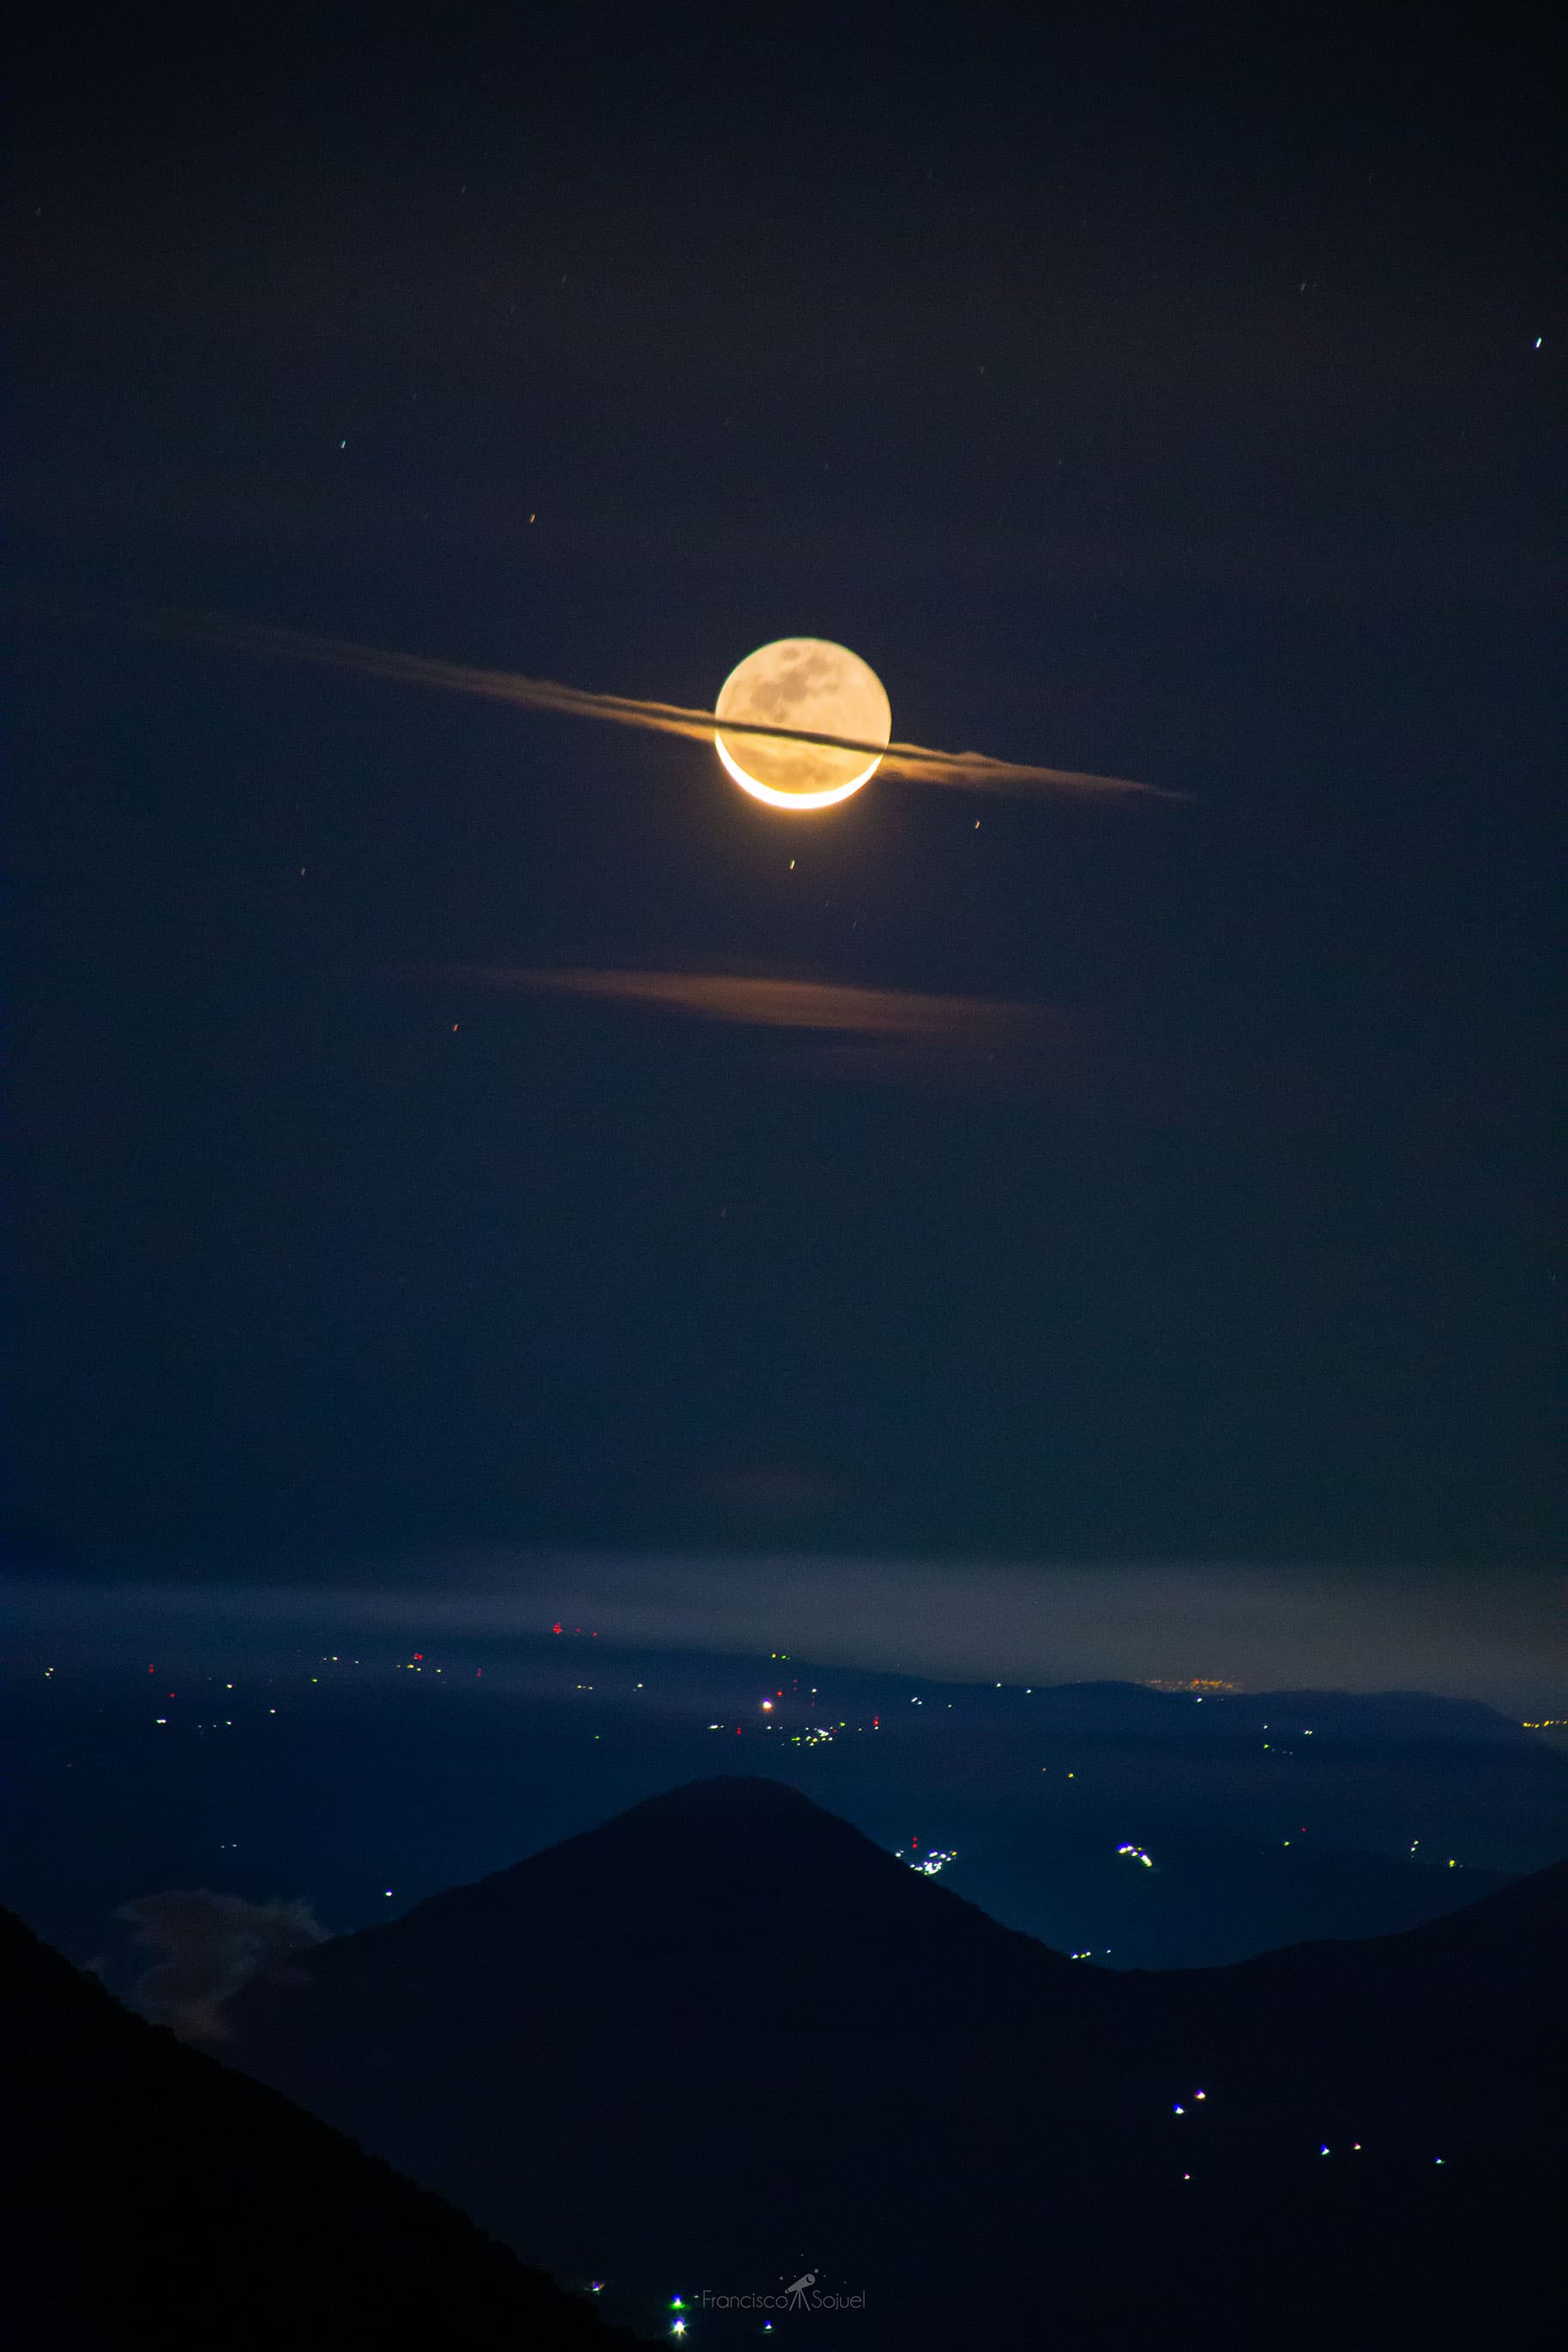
<point>1163,394</point>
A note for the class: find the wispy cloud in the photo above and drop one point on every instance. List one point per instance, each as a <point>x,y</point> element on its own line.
<point>211,1946</point>
<point>889,1032</point>
<point>915,761</point>
<point>763,1003</point>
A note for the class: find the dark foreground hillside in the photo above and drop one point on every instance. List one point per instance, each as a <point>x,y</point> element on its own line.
<point>156,2198</point>
<point>723,2039</point>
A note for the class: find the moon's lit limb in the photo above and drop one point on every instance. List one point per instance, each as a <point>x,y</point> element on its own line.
<point>827,798</point>
<point>914,761</point>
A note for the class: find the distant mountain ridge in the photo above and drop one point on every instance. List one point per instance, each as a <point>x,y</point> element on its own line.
<point>724,2032</point>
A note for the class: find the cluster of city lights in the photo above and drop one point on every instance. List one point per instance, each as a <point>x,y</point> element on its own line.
<point>1195,1683</point>
<point>931,1861</point>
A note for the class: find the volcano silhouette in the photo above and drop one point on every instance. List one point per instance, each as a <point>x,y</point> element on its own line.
<point>725,2030</point>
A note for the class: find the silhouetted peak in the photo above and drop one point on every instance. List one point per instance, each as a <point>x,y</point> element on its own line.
<point>734,1840</point>
<point>727,1798</point>
<point>735,1806</point>
<point>734,1892</point>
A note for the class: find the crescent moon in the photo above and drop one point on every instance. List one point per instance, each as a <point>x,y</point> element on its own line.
<point>813,685</point>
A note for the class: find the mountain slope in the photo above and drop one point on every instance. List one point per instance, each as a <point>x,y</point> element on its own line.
<point>157,2196</point>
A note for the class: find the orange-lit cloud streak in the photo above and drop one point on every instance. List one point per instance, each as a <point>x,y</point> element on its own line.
<point>863,1033</point>
<point>839,1006</point>
<point>913,760</point>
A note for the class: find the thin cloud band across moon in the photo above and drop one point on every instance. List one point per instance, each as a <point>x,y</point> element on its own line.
<point>802,723</point>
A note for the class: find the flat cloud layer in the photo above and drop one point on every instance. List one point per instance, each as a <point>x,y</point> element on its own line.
<point>1300,1627</point>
